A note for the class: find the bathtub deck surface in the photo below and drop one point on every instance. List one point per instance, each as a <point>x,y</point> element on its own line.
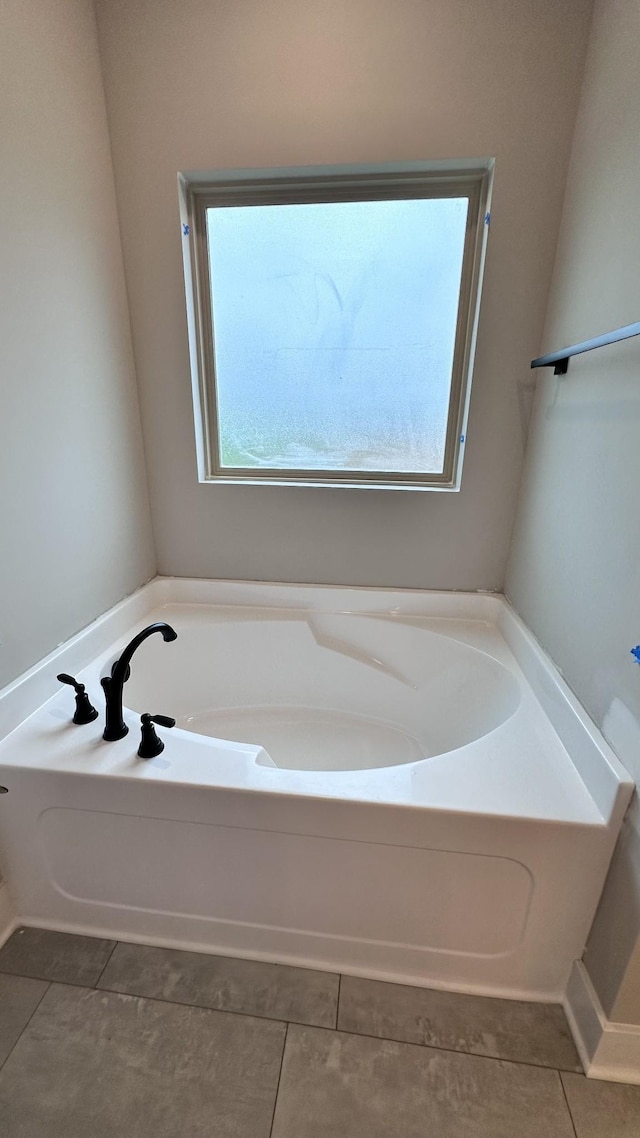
<point>114,1038</point>
<point>518,770</point>
<point>523,767</point>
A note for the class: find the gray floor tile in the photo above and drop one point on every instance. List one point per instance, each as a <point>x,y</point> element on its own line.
<point>49,955</point>
<point>603,1110</point>
<point>247,986</point>
<point>357,1087</point>
<point>479,1025</point>
<point>19,999</point>
<point>109,1066</point>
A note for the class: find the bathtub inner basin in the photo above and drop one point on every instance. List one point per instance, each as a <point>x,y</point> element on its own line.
<point>320,691</point>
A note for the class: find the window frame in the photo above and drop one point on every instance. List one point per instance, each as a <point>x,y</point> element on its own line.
<point>201,191</point>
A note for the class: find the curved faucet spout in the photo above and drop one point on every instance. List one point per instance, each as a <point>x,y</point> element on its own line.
<point>115,726</point>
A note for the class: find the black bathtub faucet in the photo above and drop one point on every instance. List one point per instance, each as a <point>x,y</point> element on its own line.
<point>115,726</point>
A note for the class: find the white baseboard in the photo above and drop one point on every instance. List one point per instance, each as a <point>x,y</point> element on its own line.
<point>8,913</point>
<point>607,1050</point>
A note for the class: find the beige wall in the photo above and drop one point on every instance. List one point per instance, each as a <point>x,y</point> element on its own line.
<point>230,83</point>
<point>575,567</point>
<point>74,523</point>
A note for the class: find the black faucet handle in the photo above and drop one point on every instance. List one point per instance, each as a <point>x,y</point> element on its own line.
<point>161,720</point>
<point>150,744</point>
<point>65,678</point>
<point>85,711</point>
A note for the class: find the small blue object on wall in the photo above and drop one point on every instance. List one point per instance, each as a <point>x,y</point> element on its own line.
<point>635,652</point>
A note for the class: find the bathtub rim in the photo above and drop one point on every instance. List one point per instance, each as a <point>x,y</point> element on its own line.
<point>604,776</point>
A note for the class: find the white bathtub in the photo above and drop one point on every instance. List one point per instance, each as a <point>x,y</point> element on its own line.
<point>392,784</point>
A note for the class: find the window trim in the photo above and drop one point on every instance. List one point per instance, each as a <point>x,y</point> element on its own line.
<point>200,191</point>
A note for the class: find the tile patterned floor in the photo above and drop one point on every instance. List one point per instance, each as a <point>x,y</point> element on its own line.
<point>118,1040</point>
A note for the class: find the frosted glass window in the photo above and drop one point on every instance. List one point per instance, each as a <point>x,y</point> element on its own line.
<point>332,314</point>
<point>334,332</point>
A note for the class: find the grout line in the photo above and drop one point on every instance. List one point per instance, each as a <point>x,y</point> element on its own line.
<point>338,999</point>
<point>564,1092</point>
<point>48,983</point>
<point>201,1007</point>
<point>181,1004</point>
<point>48,980</point>
<point>102,970</point>
<point>437,1047</point>
<point>275,1100</point>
